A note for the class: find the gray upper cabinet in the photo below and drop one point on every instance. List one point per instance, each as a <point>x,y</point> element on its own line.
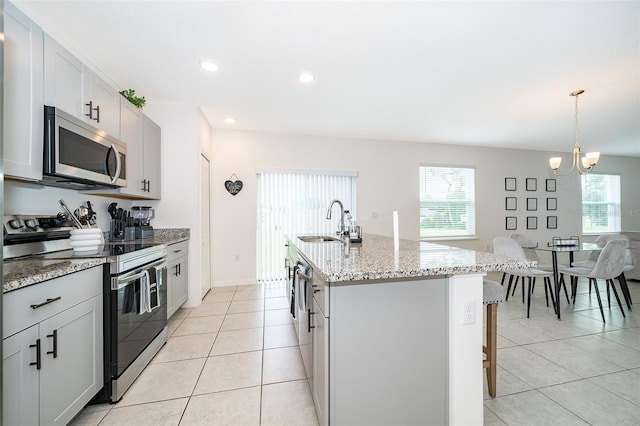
<point>23,96</point>
<point>151,157</point>
<point>75,89</point>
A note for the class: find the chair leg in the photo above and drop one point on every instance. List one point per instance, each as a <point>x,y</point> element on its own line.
<point>615,293</point>
<point>509,288</point>
<point>564,287</point>
<point>547,282</point>
<point>529,296</point>
<point>625,290</point>
<point>504,275</point>
<point>546,292</point>
<point>574,287</point>
<point>491,348</point>
<point>608,295</point>
<point>595,285</point>
<point>523,288</point>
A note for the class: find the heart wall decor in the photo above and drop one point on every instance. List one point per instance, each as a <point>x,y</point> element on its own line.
<point>233,186</point>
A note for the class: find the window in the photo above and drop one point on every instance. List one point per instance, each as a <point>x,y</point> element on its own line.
<point>297,202</point>
<point>600,204</point>
<point>447,202</point>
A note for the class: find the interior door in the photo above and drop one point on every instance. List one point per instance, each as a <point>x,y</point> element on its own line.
<point>205,220</point>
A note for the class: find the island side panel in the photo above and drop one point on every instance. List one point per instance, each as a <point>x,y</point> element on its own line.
<point>388,353</point>
<point>465,351</point>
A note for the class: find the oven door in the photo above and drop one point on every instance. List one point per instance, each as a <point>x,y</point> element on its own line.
<point>133,323</point>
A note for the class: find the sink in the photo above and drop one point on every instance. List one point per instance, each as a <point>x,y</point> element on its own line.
<point>318,239</point>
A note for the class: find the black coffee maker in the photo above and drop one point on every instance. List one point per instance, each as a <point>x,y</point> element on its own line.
<point>141,220</point>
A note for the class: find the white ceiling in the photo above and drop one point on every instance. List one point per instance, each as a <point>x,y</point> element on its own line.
<point>472,73</point>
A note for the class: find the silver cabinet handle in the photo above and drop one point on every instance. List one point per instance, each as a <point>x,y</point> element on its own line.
<point>116,175</point>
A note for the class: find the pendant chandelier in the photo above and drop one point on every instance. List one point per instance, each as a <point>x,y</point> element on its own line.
<point>584,164</point>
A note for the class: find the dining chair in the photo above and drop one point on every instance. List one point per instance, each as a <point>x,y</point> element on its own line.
<point>491,296</point>
<point>507,246</point>
<point>590,262</point>
<point>532,254</point>
<point>609,266</point>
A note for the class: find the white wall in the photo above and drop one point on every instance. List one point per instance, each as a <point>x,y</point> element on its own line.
<point>185,132</point>
<point>387,181</point>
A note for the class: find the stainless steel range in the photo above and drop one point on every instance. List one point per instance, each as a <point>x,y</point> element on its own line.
<point>135,294</point>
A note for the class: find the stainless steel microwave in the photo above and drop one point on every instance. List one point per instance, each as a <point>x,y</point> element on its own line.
<point>79,156</point>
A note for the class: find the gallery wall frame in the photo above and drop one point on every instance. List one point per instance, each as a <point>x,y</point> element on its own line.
<point>509,184</point>
<point>511,223</point>
<point>532,222</point>
<point>531,184</point>
<point>511,203</point>
<point>550,185</point>
<point>532,204</point>
<point>552,222</point>
<point>552,203</point>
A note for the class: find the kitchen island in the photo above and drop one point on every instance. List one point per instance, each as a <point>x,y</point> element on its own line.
<point>395,336</point>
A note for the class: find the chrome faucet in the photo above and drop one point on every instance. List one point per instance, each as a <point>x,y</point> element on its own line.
<point>341,228</point>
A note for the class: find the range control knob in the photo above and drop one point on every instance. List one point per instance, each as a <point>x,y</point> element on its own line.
<point>31,223</point>
<point>15,223</point>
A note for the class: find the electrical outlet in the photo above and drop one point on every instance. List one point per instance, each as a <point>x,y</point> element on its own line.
<point>469,312</point>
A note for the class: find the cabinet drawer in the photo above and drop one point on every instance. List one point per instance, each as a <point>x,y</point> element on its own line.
<point>177,250</point>
<point>67,291</point>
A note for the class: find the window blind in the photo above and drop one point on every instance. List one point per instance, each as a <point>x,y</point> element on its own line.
<point>447,202</point>
<point>296,203</point>
<point>600,203</point>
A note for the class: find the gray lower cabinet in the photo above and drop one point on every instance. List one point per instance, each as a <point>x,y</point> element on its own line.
<point>53,356</point>
<point>319,380</point>
<point>379,352</point>
<point>177,293</point>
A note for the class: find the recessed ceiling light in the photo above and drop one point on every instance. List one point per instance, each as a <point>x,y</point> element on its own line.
<point>208,65</point>
<point>230,120</point>
<point>306,78</point>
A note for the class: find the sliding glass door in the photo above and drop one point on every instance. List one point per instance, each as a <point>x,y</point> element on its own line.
<point>296,202</point>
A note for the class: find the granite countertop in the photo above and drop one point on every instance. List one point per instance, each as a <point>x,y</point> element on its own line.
<point>375,259</point>
<point>23,272</point>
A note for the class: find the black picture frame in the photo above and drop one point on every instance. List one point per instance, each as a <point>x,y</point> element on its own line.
<point>511,203</point>
<point>510,184</point>
<point>532,204</point>
<point>552,222</point>
<point>552,203</point>
<point>532,184</point>
<point>511,223</point>
<point>532,222</point>
<point>550,185</point>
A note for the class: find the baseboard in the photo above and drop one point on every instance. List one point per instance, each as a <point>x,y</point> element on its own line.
<point>234,282</point>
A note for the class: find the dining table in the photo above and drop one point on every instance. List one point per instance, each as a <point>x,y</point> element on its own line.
<point>555,248</point>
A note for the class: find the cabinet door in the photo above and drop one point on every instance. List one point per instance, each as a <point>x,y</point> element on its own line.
<point>152,156</point>
<point>131,134</point>
<point>66,81</point>
<point>106,103</point>
<point>20,380</point>
<point>320,382</point>
<point>23,96</point>
<point>180,289</point>
<point>72,360</point>
<point>172,276</point>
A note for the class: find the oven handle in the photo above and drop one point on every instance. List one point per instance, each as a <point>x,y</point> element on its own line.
<point>124,280</point>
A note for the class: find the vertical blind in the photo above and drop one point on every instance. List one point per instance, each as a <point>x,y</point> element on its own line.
<point>447,202</point>
<point>296,203</point>
<point>600,203</point>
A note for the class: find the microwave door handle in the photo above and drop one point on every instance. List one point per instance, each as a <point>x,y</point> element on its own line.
<point>116,175</point>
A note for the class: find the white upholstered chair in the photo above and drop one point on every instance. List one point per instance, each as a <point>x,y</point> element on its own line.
<point>609,266</point>
<point>506,246</point>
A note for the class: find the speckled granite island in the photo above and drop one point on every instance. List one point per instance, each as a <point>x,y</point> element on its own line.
<point>383,340</point>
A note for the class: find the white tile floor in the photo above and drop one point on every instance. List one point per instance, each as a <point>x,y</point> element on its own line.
<point>233,361</point>
<point>575,371</point>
